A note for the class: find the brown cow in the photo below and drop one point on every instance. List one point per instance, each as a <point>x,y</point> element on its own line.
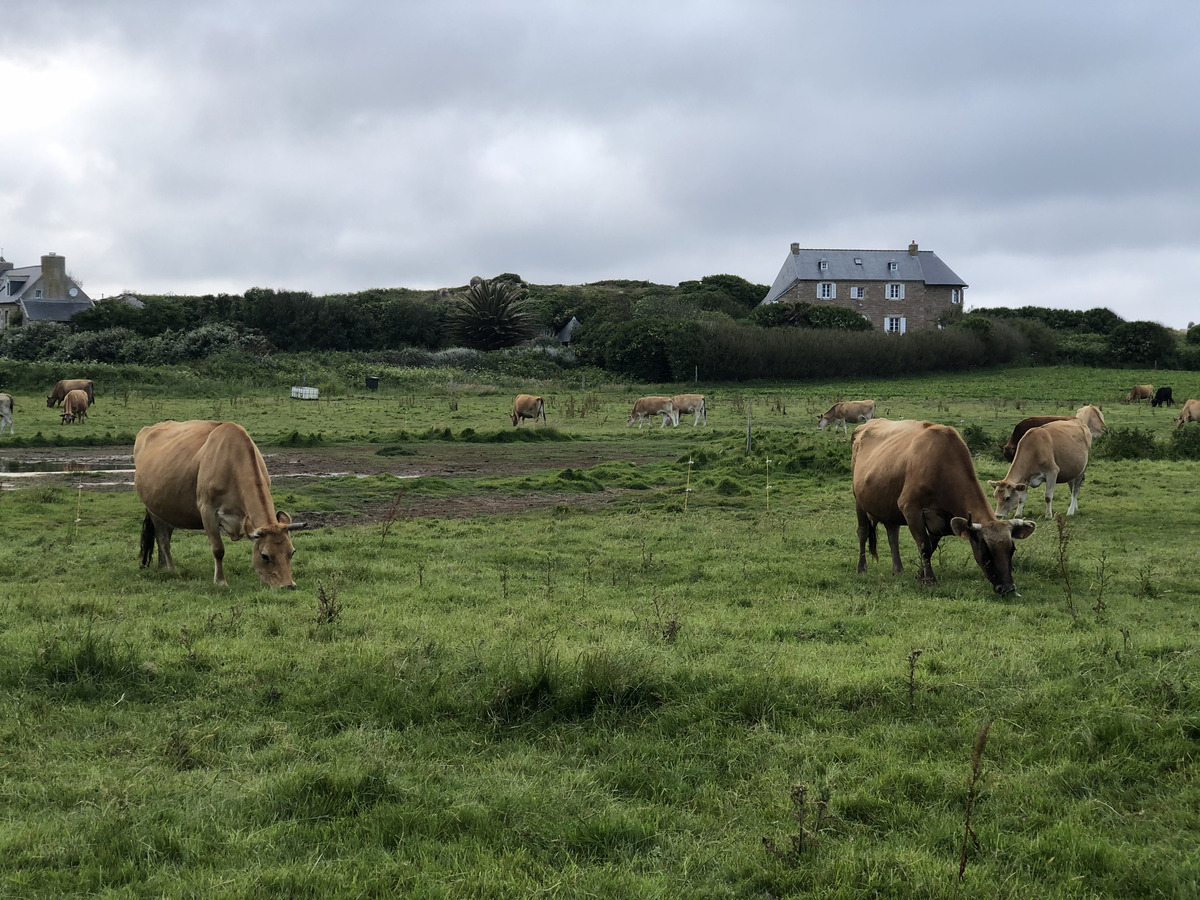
<point>1056,453</point>
<point>649,407</point>
<point>848,411</point>
<point>526,406</point>
<point>64,387</point>
<point>1140,392</point>
<point>75,407</point>
<point>921,475</point>
<point>6,411</point>
<point>1189,413</point>
<point>1092,416</point>
<point>689,403</point>
<point>210,475</point>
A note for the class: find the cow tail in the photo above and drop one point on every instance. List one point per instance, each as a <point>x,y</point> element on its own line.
<point>872,542</point>
<point>147,540</point>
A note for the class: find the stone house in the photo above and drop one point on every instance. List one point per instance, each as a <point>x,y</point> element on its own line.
<point>40,293</point>
<point>896,291</point>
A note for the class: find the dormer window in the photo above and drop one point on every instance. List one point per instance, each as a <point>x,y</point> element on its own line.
<point>824,264</point>
<point>858,260</point>
<point>893,266</point>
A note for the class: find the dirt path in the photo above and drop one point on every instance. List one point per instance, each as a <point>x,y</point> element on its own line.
<point>110,469</point>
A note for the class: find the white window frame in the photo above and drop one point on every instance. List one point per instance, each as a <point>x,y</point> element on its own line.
<point>895,324</point>
<point>956,295</point>
<point>894,290</point>
<point>893,266</point>
<point>858,293</point>
<point>824,264</point>
<point>826,290</point>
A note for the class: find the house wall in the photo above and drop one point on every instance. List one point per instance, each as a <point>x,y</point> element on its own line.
<point>920,307</point>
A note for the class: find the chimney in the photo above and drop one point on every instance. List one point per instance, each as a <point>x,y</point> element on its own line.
<point>795,249</point>
<point>5,265</point>
<point>912,249</point>
<point>54,277</point>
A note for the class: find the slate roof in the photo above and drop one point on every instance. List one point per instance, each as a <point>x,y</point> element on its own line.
<point>53,310</point>
<point>861,266</point>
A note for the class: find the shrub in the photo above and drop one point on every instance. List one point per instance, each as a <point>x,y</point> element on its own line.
<point>1127,443</point>
<point>492,315</point>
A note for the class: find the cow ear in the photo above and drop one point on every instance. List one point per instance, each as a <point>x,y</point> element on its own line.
<point>1021,488</point>
<point>962,527</point>
<point>1021,528</point>
<point>283,518</point>
<point>993,484</point>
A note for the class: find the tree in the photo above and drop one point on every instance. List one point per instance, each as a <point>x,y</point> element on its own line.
<point>1143,343</point>
<point>492,315</point>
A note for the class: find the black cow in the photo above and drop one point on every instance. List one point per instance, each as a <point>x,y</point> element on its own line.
<point>1162,397</point>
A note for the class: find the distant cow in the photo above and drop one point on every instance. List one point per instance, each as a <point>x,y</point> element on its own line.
<point>1091,416</point>
<point>649,407</point>
<point>62,388</point>
<point>1054,453</point>
<point>1140,392</point>
<point>849,411</point>
<point>210,475</point>
<point>921,475</point>
<point>526,406</point>
<point>689,404</point>
<point>6,409</point>
<point>1189,413</point>
<point>75,407</point>
<point>1162,397</point>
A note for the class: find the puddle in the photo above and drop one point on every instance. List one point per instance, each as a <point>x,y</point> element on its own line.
<point>28,467</point>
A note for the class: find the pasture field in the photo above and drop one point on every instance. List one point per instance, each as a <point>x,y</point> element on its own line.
<point>581,660</point>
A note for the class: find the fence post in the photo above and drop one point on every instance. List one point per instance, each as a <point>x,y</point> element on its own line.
<point>749,440</point>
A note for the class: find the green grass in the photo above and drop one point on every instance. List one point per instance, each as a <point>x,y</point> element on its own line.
<point>611,702</point>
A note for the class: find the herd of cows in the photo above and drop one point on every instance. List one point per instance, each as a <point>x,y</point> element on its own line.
<point>211,476</point>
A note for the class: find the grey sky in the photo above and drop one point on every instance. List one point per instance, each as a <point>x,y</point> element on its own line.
<point>1046,151</point>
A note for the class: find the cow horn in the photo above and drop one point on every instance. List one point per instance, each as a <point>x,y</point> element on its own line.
<point>297,526</point>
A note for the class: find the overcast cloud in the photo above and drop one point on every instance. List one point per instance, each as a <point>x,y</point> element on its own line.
<point>1047,152</point>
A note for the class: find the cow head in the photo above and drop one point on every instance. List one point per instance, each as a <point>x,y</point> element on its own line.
<point>52,401</point>
<point>1008,496</point>
<point>272,551</point>
<point>992,544</point>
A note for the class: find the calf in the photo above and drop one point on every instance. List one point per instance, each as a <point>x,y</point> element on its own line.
<point>1162,397</point>
<point>1140,392</point>
<point>689,403</point>
<point>75,406</point>
<point>526,406</point>
<point>848,411</point>
<point>649,407</point>
<point>1056,453</point>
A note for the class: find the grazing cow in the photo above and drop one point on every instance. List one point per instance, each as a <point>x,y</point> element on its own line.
<point>1162,397</point>
<point>75,407</point>
<point>921,475</point>
<point>6,409</point>
<point>1189,413</point>
<point>526,406</point>
<point>649,407</point>
<point>1056,453</point>
<point>1091,416</point>
<point>210,475</point>
<point>849,411</point>
<point>64,387</point>
<point>1140,392</point>
<point>689,403</point>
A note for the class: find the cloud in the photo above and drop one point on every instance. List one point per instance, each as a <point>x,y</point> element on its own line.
<point>1040,151</point>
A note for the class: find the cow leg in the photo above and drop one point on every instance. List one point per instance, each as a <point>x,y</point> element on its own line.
<point>866,536</point>
<point>1051,481</point>
<point>212,528</point>
<point>893,533</point>
<point>1075,483</point>
<point>162,539</point>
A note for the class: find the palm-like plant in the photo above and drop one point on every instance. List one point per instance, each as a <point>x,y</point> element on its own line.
<point>492,315</point>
